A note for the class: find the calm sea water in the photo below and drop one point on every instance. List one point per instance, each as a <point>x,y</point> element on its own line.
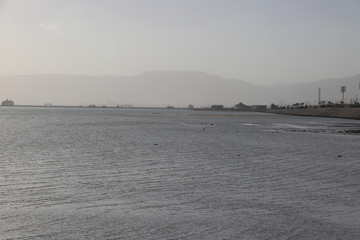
<point>161,174</point>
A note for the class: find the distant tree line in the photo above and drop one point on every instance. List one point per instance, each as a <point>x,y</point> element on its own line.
<point>322,104</point>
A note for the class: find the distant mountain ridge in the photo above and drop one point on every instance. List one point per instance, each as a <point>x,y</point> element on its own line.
<point>165,88</point>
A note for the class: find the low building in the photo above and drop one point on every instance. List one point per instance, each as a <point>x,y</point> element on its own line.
<point>242,107</point>
<point>217,107</point>
<point>7,102</point>
<point>260,107</point>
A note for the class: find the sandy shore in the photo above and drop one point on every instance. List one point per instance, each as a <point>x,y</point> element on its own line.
<point>351,113</point>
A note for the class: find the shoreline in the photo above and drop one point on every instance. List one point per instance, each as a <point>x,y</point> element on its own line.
<point>348,113</point>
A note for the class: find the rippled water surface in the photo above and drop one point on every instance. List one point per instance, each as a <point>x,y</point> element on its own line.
<point>161,174</point>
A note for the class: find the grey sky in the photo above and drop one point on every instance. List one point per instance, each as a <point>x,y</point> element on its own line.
<point>261,42</point>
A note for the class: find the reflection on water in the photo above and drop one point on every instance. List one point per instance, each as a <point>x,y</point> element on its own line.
<point>132,174</point>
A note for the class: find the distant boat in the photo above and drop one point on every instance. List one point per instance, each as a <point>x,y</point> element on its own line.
<point>7,102</point>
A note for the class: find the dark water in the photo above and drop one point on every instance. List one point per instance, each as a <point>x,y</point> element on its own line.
<point>156,174</point>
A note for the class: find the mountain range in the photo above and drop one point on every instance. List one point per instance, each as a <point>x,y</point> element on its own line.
<point>159,89</point>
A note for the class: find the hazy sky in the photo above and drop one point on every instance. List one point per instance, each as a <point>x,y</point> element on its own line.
<point>261,42</point>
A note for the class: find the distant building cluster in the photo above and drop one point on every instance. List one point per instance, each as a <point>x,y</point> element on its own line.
<point>238,107</point>
<point>216,107</point>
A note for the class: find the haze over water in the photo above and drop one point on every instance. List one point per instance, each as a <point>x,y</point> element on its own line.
<point>161,174</point>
